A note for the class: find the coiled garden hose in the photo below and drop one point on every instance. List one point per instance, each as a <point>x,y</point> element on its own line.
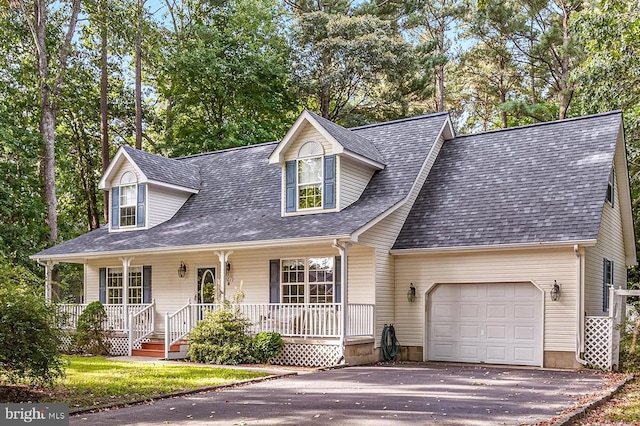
<point>389,343</point>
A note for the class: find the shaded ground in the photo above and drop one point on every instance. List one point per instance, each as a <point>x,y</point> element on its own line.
<point>622,409</point>
<point>23,394</point>
<point>399,394</point>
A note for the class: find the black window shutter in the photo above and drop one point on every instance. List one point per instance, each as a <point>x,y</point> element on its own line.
<point>146,284</point>
<point>102,292</point>
<point>274,281</point>
<point>329,190</point>
<point>337,265</point>
<point>115,207</point>
<point>605,299</point>
<point>291,179</point>
<point>142,198</point>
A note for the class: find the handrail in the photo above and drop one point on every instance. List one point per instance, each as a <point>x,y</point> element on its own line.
<point>141,324</point>
<point>176,326</point>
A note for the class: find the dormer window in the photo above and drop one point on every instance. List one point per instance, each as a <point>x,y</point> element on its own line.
<point>128,199</point>
<point>310,176</point>
<point>310,179</point>
<point>128,203</point>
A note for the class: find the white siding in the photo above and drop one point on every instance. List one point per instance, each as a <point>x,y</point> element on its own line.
<point>354,178</point>
<point>163,203</point>
<point>382,237</point>
<point>306,134</point>
<point>538,266</point>
<point>610,245</point>
<point>249,270</point>
<point>124,167</point>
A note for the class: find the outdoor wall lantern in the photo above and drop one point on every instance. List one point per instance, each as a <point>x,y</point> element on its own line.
<point>555,291</point>
<point>182,270</point>
<point>411,294</point>
<point>228,267</point>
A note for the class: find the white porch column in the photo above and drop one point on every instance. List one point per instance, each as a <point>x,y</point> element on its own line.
<point>223,258</point>
<point>126,262</point>
<point>343,248</point>
<point>48,272</point>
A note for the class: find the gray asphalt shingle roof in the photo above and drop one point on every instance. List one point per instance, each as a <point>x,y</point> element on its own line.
<point>533,184</point>
<point>350,139</point>
<point>239,198</point>
<point>163,169</point>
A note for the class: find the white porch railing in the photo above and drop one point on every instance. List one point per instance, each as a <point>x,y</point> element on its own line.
<point>115,315</point>
<point>141,324</point>
<point>290,320</point>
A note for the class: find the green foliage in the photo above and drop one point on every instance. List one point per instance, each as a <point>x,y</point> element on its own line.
<point>90,335</point>
<point>221,338</point>
<point>266,345</point>
<point>29,339</point>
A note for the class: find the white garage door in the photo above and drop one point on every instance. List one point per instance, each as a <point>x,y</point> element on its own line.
<point>491,323</point>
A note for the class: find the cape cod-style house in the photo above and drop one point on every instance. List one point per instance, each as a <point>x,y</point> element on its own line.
<point>495,247</point>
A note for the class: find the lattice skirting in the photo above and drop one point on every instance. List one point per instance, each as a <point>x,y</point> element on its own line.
<point>308,355</point>
<point>119,345</point>
<point>598,345</point>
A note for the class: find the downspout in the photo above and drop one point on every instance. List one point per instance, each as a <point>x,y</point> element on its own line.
<point>576,250</point>
<point>343,249</point>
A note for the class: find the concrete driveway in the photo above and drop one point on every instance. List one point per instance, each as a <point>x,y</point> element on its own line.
<point>408,394</point>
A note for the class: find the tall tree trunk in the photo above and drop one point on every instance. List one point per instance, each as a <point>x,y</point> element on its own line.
<point>503,92</point>
<point>138,76</point>
<point>35,15</point>
<point>104,107</point>
<point>565,94</point>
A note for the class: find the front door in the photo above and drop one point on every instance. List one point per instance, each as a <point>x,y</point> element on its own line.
<point>207,287</point>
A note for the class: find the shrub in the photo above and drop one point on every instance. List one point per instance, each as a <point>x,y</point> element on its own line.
<point>29,339</point>
<point>90,335</point>
<point>221,338</point>
<point>266,345</point>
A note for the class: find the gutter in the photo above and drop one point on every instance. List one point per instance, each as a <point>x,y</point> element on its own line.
<point>576,249</point>
<point>191,249</point>
<point>492,247</point>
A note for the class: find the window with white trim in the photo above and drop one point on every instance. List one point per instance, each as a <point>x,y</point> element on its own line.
<point>611,187</point>
<point>309,183</point>
<point>308,280</point>
<point>607,282</point>
<point>128,199</point>
<point>115,287</point>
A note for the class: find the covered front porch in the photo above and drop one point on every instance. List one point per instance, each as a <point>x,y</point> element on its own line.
<point>314,334</point>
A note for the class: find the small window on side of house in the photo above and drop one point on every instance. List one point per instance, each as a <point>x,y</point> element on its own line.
<point>607,282</point>
<point>611,187</point>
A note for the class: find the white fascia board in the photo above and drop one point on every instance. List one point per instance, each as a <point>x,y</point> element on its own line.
<point>117,159</point>
<point>195,248</point>
<point>356,234</point>
<point>364,160</point>
<point>172,186</point>
<point>494,247</point>
<point>624,195</point>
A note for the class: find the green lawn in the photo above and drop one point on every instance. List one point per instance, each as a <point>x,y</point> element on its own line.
<point>95,381</point>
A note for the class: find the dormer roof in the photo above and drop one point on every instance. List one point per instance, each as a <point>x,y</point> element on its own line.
<point>155,169</point>
<point>344,141</point>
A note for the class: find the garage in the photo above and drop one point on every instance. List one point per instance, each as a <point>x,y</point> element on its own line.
<point>494,323</point>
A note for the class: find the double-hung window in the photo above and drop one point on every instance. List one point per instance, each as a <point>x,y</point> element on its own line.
<point>115,288</point>
<point>607,281</point>
<point>128,197</point>
<point>308,280</point>
<point>310,183</point>
<point>611,185</point>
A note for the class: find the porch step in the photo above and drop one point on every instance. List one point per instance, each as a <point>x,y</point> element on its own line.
<point>156,349</point>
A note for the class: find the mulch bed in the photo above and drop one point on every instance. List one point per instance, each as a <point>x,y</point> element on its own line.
<point>22,393</point>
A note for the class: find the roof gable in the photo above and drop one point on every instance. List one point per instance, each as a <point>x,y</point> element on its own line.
<point>343,141</point>
<point>156,169</point>
<point>526,185</point>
